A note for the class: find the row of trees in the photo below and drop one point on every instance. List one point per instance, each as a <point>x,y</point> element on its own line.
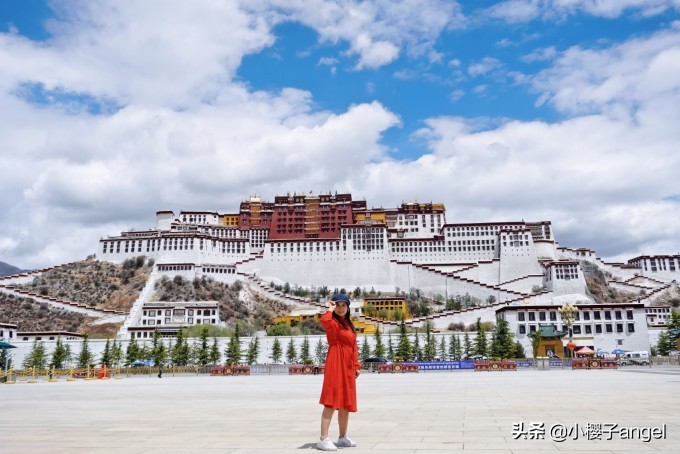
<point>427,348</point>
<point>202,352</point>
<point>61,356</point>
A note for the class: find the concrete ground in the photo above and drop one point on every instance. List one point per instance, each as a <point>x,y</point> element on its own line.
<point>407,413</point>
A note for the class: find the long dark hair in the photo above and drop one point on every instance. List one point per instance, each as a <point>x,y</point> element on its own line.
<point>346,321</point>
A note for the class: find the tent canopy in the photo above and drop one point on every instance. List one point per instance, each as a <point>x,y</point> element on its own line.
<point>585,351</point>
<point>6,345</point>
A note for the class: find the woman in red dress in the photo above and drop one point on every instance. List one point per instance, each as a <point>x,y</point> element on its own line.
<point>342,369</point>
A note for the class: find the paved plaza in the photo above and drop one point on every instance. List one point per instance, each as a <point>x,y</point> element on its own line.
<point>402,413</point>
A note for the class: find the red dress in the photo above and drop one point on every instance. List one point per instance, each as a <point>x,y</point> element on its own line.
<point>339,380</point>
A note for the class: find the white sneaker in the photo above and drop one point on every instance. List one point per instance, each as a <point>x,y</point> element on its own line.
<point>346,442</point>
<point>326,445</point>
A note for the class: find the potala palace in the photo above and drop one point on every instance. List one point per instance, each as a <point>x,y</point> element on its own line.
<point>332,240</point>
<point>517,268</point>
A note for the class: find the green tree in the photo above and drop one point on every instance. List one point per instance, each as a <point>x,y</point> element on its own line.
<point>417,352</point>
<point>390,348</point>
<point>277,352</point>
<point>662,346</point>
<point>253,350</point>
<point>37,357</point>
<point>203,352</point>
<point>60,355</point>
<point>85,357</point>
<point>430,350</point>
<point>504,339</point>
<point>215,354</point>
<point>442,349</point>
<point>480,339</point>
<point>6,359</point>
<point>106,355</point>
<point>452,347</point>
<point>305,356</point>
<point>116,353</point>
<point>494,347</point>
<point>320,352</point>
<point>291,353</point>
<point>467,345</point>
<point>379,348</point>
<point>404,349</point>
<point>159,352</point>
<point>668,339</point>
<point>145,351</point>
<point>131,352</point>
<point>180,354</point>
<point>233,351</point>
<point>535,342</point>
<point>519,351</point>
<point>365,350</point>
<point>280,329</point>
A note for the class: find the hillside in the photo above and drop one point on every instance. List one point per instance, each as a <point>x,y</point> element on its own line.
<point>603,294</point>
<point>101,285</point>
<point>104,285</point>
<point>259,311</point>
<point>33,316</point>
<point>7,270</point>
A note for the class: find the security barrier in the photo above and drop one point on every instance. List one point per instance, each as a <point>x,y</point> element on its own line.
<point>495,365</point>
<point>237,370</point>
<point>398,367</point>
<point>593,363</point>
<point>306,369</point>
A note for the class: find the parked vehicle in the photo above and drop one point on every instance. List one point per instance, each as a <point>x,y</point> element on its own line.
<point>635,358</point>
<point>371,364</point>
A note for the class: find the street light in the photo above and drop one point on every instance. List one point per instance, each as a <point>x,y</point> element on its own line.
<point>568,314</point>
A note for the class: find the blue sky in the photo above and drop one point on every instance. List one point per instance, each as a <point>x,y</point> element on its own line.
<point>561,110</point>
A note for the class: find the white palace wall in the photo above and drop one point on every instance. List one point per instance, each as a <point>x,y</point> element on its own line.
<point>525,284</point>
<point>486,272</point>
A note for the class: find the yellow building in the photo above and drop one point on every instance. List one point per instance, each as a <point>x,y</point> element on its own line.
<point>379,217</point>
<point>387,308</point>
<point>297,317</point>
<point>230,219</point>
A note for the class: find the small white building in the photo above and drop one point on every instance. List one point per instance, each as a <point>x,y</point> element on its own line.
<point>604,327</point>
<point>170,317</point>
<point>658,315</point>
<point>31,336</point>
<point>8,332</point>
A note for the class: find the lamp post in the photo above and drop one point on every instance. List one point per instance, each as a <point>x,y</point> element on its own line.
<point>568,314</point>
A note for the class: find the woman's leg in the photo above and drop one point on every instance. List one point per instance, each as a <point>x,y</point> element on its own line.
<point>343,421</point>
<point>326,417</point>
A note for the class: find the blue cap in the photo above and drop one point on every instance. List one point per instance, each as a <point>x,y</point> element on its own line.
<point>340,297</point>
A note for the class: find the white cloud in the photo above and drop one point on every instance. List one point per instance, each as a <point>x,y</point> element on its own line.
<point>484,66</point>
<point>516,11</point>
<point>456,95</point>
<point>328,61</point>
<point>187,136</point>
<point>541,54</point>
<point>624,78</point>
<point>605,175</point>
<point>376,30</point>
